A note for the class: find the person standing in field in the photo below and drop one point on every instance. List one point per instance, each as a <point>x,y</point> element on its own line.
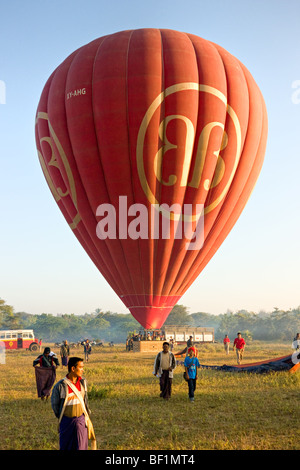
<point>191,364</point>
<point>2,352</point>
<point>226,342</point>
<point>164,366</point>
<point>64,353</point>
<point>296,342</point>
<point>189,344</point>
<point>69,401</point>
<point>45,373</point>
<point>239,343</point>
<point>87,348</point>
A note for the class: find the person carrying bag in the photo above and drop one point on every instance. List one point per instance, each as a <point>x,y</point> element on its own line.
<point>69,402</point>
<point>88,422</point>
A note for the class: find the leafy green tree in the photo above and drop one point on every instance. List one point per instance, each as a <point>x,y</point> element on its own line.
<point>49,326</point>
<point>247,335</point>
<point>97,324</point>
<point>179,316</point>
<point>8,318</point>
<point>205,320</point>
<point>278,325</point>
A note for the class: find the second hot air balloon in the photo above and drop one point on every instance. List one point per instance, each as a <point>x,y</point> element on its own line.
<point>151,142</point>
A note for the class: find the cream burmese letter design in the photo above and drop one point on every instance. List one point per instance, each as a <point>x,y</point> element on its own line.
<point>201,154</point>
<point>58,192</point>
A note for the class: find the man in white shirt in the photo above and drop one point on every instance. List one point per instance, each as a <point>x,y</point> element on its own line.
<point>163,367</point>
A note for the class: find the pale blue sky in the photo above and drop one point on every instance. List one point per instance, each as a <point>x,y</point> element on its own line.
<point>42,266</point>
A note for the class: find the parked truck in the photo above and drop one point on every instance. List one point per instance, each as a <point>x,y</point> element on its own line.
<point>180,334</point>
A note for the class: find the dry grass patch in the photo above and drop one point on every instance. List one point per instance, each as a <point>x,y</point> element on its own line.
<point>231,411</point>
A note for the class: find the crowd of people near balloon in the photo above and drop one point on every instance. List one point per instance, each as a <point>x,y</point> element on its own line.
<point>69,397</point>
<point>144,336</point>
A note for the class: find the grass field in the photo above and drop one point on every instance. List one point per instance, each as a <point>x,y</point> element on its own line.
<point>230,412</point>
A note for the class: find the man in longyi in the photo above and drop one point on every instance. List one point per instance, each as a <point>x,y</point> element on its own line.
<point>45,373</point>
<point>69,402</point>
<point>64,353</point>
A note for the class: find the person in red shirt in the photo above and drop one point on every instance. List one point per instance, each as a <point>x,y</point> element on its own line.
<point>239,344</point>
<point>226,342</point>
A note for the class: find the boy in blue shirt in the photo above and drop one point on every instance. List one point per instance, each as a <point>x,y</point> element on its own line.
<point>191,364</point>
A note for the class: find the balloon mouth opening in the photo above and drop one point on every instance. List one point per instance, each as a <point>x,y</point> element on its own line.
<point>151,318</point>
<point>150,315</point>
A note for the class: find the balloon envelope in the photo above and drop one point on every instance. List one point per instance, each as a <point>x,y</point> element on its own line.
<point>151,142</point>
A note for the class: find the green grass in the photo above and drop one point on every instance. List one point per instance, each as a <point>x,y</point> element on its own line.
<point>231,411</point>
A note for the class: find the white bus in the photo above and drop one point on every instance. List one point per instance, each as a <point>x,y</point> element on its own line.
<point>19,339</point>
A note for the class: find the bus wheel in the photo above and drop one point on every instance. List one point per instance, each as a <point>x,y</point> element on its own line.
<point>33,347</point>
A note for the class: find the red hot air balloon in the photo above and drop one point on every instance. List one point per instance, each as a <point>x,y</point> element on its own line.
<point>145,127</point>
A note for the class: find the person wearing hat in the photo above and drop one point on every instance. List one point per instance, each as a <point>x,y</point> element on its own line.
<point>191,364</point>
<point>239,343</point>
<point>45,373</point>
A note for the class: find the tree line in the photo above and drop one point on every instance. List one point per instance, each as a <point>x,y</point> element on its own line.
<point>277,325</point>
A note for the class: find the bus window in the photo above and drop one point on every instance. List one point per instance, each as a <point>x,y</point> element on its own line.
<point>8,336</point>
<point>2,336</point>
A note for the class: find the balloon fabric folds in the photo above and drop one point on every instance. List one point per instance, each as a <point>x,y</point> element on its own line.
<point>151,142</point>
<point>288,363</point>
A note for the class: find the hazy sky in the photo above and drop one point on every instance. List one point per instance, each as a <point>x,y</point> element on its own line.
<point>42,266</point>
